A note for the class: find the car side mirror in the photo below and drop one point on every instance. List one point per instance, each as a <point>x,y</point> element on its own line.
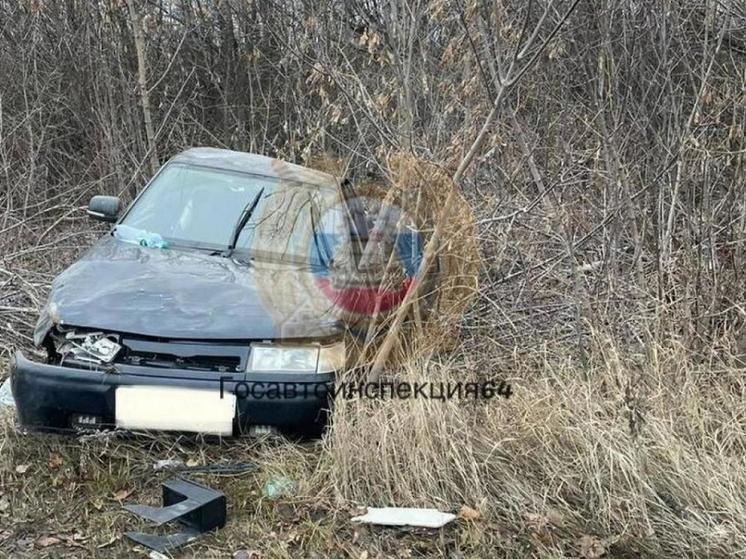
<point>104,208</point>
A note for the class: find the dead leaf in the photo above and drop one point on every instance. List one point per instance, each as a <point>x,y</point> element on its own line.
<point>247,554</point>
<point>22,468</point>
<point>192,462</point>
<point>468,513</point>
<point>4,504</point>
<point>591,547</point>
<point>122,494</point>
<point>55,461</point>
<point>46,541</point>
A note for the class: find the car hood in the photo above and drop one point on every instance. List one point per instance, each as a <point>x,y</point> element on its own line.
<point>170,293</point>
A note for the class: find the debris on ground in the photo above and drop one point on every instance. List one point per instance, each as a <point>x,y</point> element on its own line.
<point>6,396</point>
<point>196,507</point>
<point>279,486</point>
<point>167,464</point>
<point>394,516</point>
<point>468,513</point>
<point>229,468</point>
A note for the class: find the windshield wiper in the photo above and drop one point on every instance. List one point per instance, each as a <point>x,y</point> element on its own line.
<point>242,221</point>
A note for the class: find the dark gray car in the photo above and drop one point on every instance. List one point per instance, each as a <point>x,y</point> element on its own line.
<point>207,308</point>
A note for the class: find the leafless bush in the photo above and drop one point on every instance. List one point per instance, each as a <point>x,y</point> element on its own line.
<point>609,203</point>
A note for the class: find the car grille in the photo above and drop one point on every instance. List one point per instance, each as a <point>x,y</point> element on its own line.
<point>179,354</point>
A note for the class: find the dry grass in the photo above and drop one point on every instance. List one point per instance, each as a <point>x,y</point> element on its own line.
<point>630,444</point>
<point>646,454</point>
<point>644,458</point>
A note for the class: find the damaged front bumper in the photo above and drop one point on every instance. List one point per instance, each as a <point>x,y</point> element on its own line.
<point>59,397</point>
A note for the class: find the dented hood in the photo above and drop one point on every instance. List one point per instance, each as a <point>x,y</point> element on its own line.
<point>171,293</point>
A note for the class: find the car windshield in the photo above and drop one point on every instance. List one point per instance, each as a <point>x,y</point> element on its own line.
<point>198,206</point>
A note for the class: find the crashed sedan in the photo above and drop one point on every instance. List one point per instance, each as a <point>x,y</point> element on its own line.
<point>209,307</point>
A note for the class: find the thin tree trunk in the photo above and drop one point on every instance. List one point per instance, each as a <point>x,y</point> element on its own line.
<point>432,245</point>
<point>142,83</point>
<point>511,77</point>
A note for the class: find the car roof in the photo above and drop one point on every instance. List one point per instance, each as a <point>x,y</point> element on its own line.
<point>254,164</point>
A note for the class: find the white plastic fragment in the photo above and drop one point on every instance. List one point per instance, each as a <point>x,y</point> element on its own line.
<point>394,516</point>
<point>167,464</point>
<point>6,396</point>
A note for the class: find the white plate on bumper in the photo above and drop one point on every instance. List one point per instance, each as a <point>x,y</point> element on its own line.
<point>175,409</point>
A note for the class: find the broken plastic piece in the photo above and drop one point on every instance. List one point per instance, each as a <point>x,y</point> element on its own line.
<point>6,395</point>
<point>393,516</point>
<point>167,464</point>
<point>104,349</point>
<point>219,469</point>
<point>231,468</point>
<point>198,508</point>
<point>92,347</point>
<point>279,486</point>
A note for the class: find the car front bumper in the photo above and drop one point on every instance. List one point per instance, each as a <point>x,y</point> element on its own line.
<point>58,397</point>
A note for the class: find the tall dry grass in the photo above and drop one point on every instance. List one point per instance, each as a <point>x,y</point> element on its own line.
<point>642,451</point>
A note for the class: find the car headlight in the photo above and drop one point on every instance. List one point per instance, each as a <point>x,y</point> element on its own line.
<point>300,359</point>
